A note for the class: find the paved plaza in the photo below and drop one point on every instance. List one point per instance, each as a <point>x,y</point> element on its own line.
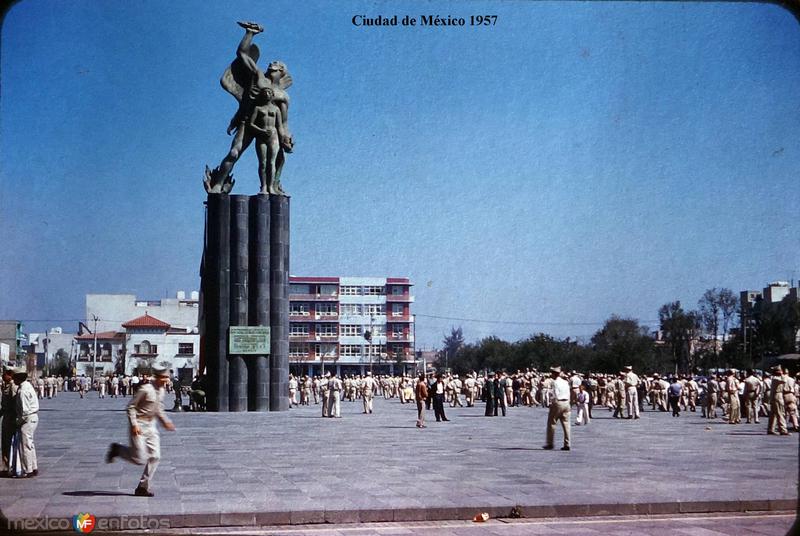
<point>295,467</point>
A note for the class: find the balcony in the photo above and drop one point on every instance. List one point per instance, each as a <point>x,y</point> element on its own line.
<point>399,318</point>
<point>404,298</point>
<point>314,297</point>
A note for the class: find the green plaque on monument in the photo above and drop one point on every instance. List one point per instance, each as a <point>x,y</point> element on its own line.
<point>243,340</point>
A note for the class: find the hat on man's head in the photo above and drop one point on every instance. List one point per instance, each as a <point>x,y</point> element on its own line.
<point>555,369</point>
<point>777,368</point>
<point>627,367</point>
<point>161,371</point>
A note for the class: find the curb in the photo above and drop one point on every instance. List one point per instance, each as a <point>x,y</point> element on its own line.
<point>310,517</point>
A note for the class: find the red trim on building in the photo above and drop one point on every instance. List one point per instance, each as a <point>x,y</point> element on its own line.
<point>101,336</point>
<point>324,280</point>
<point>146,321</point>
<point>398,281</point>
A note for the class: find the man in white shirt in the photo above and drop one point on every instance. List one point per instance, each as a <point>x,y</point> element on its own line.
<point>559,409</point>
<point>144,410</point>
<point>631,393</point>
<point>27,421</point>
<point>368,387</point>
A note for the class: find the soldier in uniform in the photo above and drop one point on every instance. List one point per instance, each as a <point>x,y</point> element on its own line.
<point>114,386</point>
<point>619,396</point>
<point>752,389</point>
<point>292,391</point>
<point>81,383</point>
<point>455,392</point>
<point>315,389</point>
<point>334,396</point>
<point>777,407</point>
<point>469,385</point>
<point>692,390</point>
<point>790,400</point>
<point>368,392</point>
<point>49,384</point>
<point>40,387</point>
<point>324,383</point>
<point>631,393</point>
<point>8,412</point>
<point>145,444</point>
<point>27,420</point>
<point>732,388</point>
<point>102,382</point>
<point>711,398</point>
<point>559,410</point>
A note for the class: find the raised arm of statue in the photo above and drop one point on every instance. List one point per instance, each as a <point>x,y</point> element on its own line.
<point>243,51</point>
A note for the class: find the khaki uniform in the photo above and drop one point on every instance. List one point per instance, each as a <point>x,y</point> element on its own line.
<point>632,395</point>
<point>368,386</point>
<point>732,387</point>
<point>145,449</point>
<point>777,407</point>
<point>323,389</point>
<point>752,390</point>
<point>28,420</point>
<point>334,397</point>
<point>790,400</point>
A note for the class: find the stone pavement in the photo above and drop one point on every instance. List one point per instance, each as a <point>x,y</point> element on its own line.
<point>739,524</point>
<point>295,467</point>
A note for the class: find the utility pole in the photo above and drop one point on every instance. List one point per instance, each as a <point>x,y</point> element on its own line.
<point>94,356</point>
<point>369,342</point>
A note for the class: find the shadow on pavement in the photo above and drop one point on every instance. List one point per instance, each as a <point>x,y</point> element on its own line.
<point>98,494</point>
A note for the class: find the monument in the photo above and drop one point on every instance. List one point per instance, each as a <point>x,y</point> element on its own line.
<point>244,308</point>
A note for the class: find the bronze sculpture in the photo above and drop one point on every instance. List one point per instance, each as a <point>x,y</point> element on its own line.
<point>261,117</point>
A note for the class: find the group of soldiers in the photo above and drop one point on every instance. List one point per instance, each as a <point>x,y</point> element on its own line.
<point>733,394</point>
<point>105,385</point>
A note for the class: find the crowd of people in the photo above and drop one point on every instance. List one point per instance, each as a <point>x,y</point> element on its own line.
<point>733,395</point>
<point>105,385</point>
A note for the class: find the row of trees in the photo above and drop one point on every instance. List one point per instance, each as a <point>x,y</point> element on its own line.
<point>688,340</point>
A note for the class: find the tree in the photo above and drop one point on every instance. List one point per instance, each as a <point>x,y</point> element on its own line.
<point>620,342</point>
<point>452,344</point>
<point>679,328</point>
<point>60,363</point>
<point>728,304</point>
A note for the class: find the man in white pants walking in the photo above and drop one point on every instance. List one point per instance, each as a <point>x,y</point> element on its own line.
<point>146,407</point>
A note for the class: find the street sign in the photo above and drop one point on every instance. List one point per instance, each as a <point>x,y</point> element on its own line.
<point>244,340</point>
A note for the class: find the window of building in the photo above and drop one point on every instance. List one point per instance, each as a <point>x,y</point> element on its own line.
<point>378,330</point>
<point>298,330</point>
<point>350,350</point>
<point>329,290</point>
<point>350,330</point>
<point>351,309</point>
<point>378,351</point>
<point>374,309</point>
<point>295,288</point>
<point>186,348</point>
<point>397,350</point>
<point>325,309</point>
<point>374,291</point>
<point>299,309</point>
<point>349,290</point>
<point>397,330</point>
<point>397,290</point>
<point>298,350</point>
<point>325,330</point>
<point>325,351</point>
<point>397,309</point>
<point>105,350</point>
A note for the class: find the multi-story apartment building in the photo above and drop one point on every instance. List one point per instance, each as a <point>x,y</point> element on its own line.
<point>350,324</point>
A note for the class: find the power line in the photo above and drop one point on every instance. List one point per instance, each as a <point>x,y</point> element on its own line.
<point>527,323</point>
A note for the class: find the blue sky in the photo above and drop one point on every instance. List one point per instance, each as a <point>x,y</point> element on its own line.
<point>574,161</point>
